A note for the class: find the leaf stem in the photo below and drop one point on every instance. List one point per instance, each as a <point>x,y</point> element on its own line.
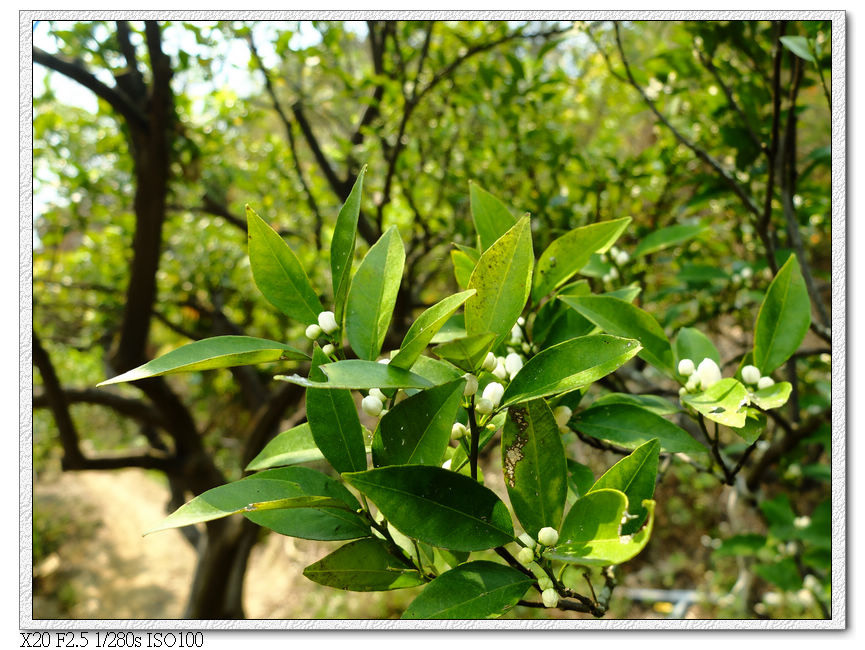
<point>476,435</point>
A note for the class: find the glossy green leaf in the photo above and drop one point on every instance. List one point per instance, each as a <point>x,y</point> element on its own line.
<point>590,533</point>
<point>441,559</point>
<point>342,245</point>
<point>725,402</point>
<point>491,217</point>
<point>287,448</point>
<point>782,573</point>
<point>320,523</point>
<point>475,590</point>
<point>784,318</point>
<point>425,327</point>
<point>580,477</point>
<point>278,274</point>
<point>437,506</point>
<point>653,403</point>
<point>467,353</point>
<point>334,423</point>
<point>502,279</point>
<point>621,318</point>
<point>634,476</point>
<point>364,565</point>
<point>372,295</point>
<point>566,255</point>
<point>755,425</point>
<point>361,375</point>
<point>692,344</point>
<point>569,365</point>
<point>207,354</point>
<point>666,237</point>
<point>417,430</point>
<point>631,426</point>
<point>533,462</point>
<point>436,371</point>
<point>798,45</point>
<point>772,397</point>
<point>463,267</point>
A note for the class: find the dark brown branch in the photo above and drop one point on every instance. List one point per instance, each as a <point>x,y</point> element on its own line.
<point>131,79</point>
<point>125,406</point>
<point>764,221</point>
<point>731,100</point>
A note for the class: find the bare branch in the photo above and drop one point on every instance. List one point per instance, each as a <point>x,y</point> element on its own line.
<point>125,406</point>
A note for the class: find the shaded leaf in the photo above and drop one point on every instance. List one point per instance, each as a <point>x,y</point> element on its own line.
<point>360,375</point>
<point>364,565</point>
<point>491,217</point>
<point>666,237</point>
<point>342,245</point>
<point>631,426</point>
<point>287,448</point>
<point>467,353</point>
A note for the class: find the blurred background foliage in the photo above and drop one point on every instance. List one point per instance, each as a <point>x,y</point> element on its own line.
<point>171,128</point>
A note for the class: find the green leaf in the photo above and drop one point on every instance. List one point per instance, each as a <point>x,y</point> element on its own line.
<point>634,476</point>
<point>799,46</point>
<point>463,267</point>
<point>755,424</point>
<point>312,523</point>
<point>723,402</point>
<point>342,245</point>
<point>692,344</point>
<point>278,274</point>
<point>334,422</point>
<point>361,375</point>
<point>467,353</point>
<point>653,403</point>
<point>436,371</point>
<point>621,318</point>
<point>533,462</point>
<point>784,318</point>
<point>581,477</point>
<point>425,327</point>
<point>740,545</point>
<point>773,396</point>
<point>566,255</point>
<point>207,354</point>
<point>491,217</point>
<point>288,448</point>
<point>631,426</point>
<point>364,565</point>
<point>417,430</point>
<point>782,573</point>
<point>569,365</point>
<point>590,533</point>
<point>437,506</point>
<point>666,237</point>
<point>372,295</point>
<point>502,279</point>
<point>476,590</point>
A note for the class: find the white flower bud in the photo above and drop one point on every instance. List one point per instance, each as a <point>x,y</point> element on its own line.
<point>805,597</point>
<point>746,272</point>
<point>516,334</point>
<point>375,392</point>
<point>446,464</point>
<point>458,430</point>
<point>521,321</point>
<point>471,384</point>
<point>763,445</point>
<point>490,362</point>
<point>500,371</point>
<point>313,332</point>
<point>484,406</point>
<point>811,582</point>
<point>802,522</point>
<point>526,556</point>
<point>765,382</point>
<point>613,273</point>
<point>548,536</point>
<point>708,373</point>
<point>693,383</point>
<point>550,597</point>
<point>493,392</point>
<point>545,583</point>
<point>773,598</point>
<point>372,406</point>
<point>513,364</point>
<point>327,322</point>
<point>562,414</point>
<point>683,391</point>
<point>622,258</point>
<point>750,374</point>
<point>686,367</point>
<point>614,251</point>
<point>328,349</point>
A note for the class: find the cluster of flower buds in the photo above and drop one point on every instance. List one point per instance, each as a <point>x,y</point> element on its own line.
<point>620,257</point>
<point>704,376</point>
<point>610,275</point>
<point>326,325</point>
<point>458,430</point>
<point>490,398</point>
<point>373,404</point>
<point>742,276</point>
<point>751,375</point>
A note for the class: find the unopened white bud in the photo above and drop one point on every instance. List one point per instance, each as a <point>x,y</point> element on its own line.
<point>313,332</point>
<point>493,392</point>
<point>765,382</point>
<point>811,582</point>
<point>746,272</point>
<point>622,258</point>
<point>805,597</point>
<point>773,598</point>
<point>686,367</point>
<point>548,536</point>
<point>545,583</point>
<point>750,374</point>
<point>526,347</point>
<point>693,383</point>
<point>500,371</point>
<point>327,322</point>
<point>526,556</point>
<point>521,321</point>
<point>562,414</point>
<point>513,364</point>
<point>489,362</point>
<point>458,430</point>
<point>550,597</point>
<point>516,334</point>
<point>614,251</point>
<point>613,273</point>
<point>802,522</point>
<point>484,406</point>
<point>372,406</point>
<point>708,373</point>
<point>471,384</point>
<point>375,392</point>
<point>683,391</point>
<point>328,349</point>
